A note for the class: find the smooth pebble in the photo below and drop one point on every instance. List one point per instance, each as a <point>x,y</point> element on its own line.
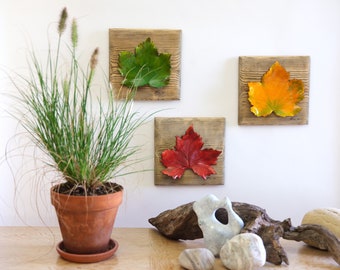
<point>197,259</point>
<point>326,217</point>
<point>243,252</point>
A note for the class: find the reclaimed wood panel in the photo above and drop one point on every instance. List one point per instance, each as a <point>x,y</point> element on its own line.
<point>252,68</point>
<point>166,41</point>
<point>212,131</point>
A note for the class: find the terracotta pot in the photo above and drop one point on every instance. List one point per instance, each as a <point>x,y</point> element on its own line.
<point>86,222</point>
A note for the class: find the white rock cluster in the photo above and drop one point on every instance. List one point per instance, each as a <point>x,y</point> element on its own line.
<point>237,251</point>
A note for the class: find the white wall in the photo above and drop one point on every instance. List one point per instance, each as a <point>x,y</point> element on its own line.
<point>287,170</point>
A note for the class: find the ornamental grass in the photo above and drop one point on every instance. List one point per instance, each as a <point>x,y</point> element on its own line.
<point>87,138</point>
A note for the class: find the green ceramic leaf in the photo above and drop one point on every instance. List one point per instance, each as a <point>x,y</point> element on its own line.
<point>145,66</point>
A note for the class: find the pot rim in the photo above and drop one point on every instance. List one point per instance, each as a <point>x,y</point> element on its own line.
<point>67,202</point>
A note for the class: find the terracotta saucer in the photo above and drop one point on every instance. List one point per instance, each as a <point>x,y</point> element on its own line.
<point>87,258</point>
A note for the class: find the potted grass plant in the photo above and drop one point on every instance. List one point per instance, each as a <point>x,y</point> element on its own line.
<point>87,140</point>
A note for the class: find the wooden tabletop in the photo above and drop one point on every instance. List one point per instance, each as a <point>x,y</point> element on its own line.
<point>139,248</point>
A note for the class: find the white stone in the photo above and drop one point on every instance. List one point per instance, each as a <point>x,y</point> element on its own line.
<point>214,232</point>
<point>197,259</point>
<point>243,252</point>
<point>326,217</point>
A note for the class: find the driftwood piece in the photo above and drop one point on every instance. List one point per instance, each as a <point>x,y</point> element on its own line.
<point>316,235</point>
<point>182,223</point>
<point>256,220</point>
<point>174,224</point>
<point>179,223</point>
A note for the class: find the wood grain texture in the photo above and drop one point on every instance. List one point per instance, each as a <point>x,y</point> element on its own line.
<point>166,41</point>
<point>252,68</point>
<point>211,130</point>
<point>24,248</point>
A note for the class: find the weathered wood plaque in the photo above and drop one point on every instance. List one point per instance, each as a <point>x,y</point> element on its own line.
<point>166,41</point>
<point>252,68</point>
<point>212,131</point>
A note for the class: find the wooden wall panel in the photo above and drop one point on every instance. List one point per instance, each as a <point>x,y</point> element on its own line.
<point>166,41</point>
<point>212,131</point>
<point>252,68</point>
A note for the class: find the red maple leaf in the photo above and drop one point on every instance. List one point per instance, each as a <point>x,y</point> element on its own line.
<point>187,154</point>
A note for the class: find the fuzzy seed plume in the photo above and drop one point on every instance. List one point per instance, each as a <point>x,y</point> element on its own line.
<point>74,33</point>
<point>62,21</point>
<point>94,59</point>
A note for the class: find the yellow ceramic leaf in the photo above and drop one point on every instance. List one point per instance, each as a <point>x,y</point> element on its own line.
<point>276,93</point>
